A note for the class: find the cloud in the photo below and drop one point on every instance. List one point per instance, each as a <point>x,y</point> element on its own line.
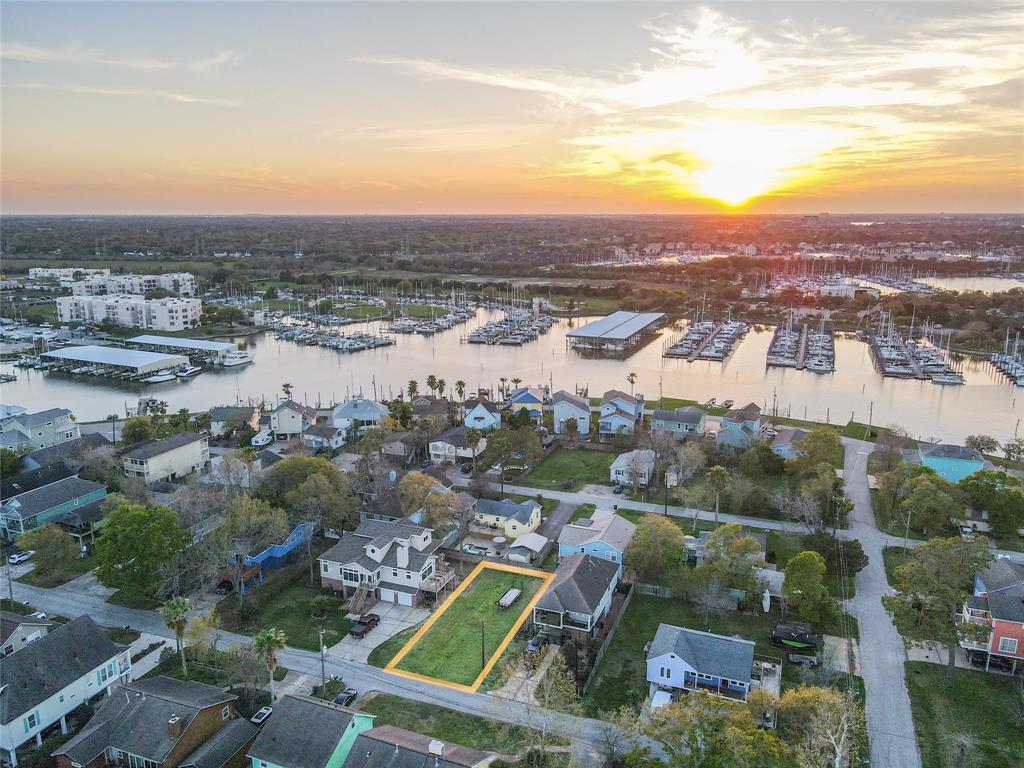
<point>147,93</point>
<point>220,59</point>
<point>78,54</point>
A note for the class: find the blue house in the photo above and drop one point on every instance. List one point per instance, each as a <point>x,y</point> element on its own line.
<point>605,536</point>
<point>681,659</point>
<point>741,428</point>
<point>529,399</point>
<point>577,600</point>
<point>680,423</point>
<point>620,413</point>
<point>950,462</point>
<point>787,442</point>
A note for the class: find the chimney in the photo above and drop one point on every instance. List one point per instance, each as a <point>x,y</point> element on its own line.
<point>403,554</point>
<point>174,727</point>
<point>436,747</point>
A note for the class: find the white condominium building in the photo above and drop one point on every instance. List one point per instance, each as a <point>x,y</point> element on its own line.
<point>172,314</point>
<point>65,275</point>
<point>179,283</point>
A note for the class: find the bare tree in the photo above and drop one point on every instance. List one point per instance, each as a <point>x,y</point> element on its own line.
<point>802,508</point>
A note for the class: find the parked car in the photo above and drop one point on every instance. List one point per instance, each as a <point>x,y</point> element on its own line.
<point>474,549</point>
<point>20,557</point>
<point>225,587</point>
<point>618,489</point>
<point>536,644</point>
<point>466,469</point>
<point>346,697</point>
<point>38,615</point>
<point>362,627</point>
<point>261,716</point>
<point>803,659</point>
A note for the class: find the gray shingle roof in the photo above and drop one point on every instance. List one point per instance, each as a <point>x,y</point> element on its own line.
<point>68,449</point>
<point>303,732</point>
<point>508,509</point>
<point>617,394</point>
<point>48,665</point>
<point>389,747</point>
<point>562,396</point>
<point>686,415</point>
<point>40,417</point>
<point>291,405</point>
<point>9,622</point>
<point>455,436</point>
<point>614,530</point>
<point>579,584</point>
<point>1004,582</point>
<point>234,736</point>
<point>362,409</point>
<point>157,446</point>
<point>728,657</point>
<point>221,412</point>
<point>31,479</point>
<point>49,496</point>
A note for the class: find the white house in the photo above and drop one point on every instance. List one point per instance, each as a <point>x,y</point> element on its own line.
<point>323,437</point>
<point>633,467</point>
<point>51,676</point>
<point>289,419</point>
<point>167,458</point>
<point>359,413</point>
<point>565,406</point>
<point>481,414</point>
<point>221,414</point>
<point>452,445</point>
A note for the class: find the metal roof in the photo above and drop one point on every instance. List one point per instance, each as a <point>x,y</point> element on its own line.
<point>176,343</point>
<point>126,358</point>
<point>617,325</point>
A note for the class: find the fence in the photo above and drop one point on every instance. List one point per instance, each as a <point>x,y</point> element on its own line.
<point>608,638</point>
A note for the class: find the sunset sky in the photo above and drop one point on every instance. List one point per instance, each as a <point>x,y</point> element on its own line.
<point>511,108</point>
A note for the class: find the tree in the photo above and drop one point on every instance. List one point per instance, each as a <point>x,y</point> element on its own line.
<point>175,615</point>
<point>631,379</point>
<point>203,634</point>
<point>137,429</point>
<point>820,446</point>
<point>54,547</point>
<point>571,427</point>
<point>249,526</point>
<point>10,462</point>
<point>136,541</point>
<point>432,383</point>
<point>412,388</point>
<point>556,692</point>
<point>982,443</point>
<point>930,505</point>
<point>931,587</point>
<point>800,507</point>
<point>827,725</point>
<point>998,495</point>
<point>413,490</point>
<point>441,384</point>
<point>732,555</point>
<point>717,478</point>
<point>473,437</point>
<point>803,587</point>
<point>325,501</point>
<point>690,460</point>
<point>460,389</point>
<point>266,644</point>
<point>286,475</point>
<point>439,508</point>
<point>287,389</point>
<point>1014,449</point>
<point>656,549</point>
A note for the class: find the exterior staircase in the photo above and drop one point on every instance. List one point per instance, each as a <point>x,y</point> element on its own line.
<point>355,605</point>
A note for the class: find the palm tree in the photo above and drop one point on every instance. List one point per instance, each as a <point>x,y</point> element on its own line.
<point>175,615</point>
<point>460,389</point>
<point>516,382</point>
<point>441,384</point>
<point>183,417</point>
<point>631,378</point>
<point>266,644</point>
<point>718,478</point>
<point>413,388</point>
<point>287,389</point>
<point>432,383</point>
<point>473,437</point>
<point>502,390</point>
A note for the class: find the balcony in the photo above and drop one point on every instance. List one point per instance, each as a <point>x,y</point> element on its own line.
<point>438,581</point>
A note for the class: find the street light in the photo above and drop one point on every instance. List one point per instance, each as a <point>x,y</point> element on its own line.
<point>323,669</point>
<point>113,424</point>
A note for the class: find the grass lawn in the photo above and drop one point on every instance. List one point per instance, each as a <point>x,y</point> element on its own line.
<point>207,671</point>
<point>383,653</point>
<point>291,611</point>
<point>447,724</point>
<point>547,506</point>
<point>123,636</point>
<point>128,599</point>
<point>69,570</point>
<point>578,465</point>
<point>581,512</point>
<point>451,648</point>
<point>976,705</point>
<point>893,558</point>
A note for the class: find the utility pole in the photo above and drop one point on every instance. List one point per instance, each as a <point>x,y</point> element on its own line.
<point>483,661</point>
<point>906,535</point>
<point>323,667</point>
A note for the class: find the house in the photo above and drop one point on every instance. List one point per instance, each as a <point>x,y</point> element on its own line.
<point>264,460</point>
<point>50,503</point>
<point>998,602</point>
<point>605,536</point>
<point>48,678</point>
<point>453,444</point>
<point>681,423</point>
<point>511,518</point>
<point>428,406</point>
<point>288,420</point>
<point>565,406</point>
<point>401,446</point>
<point>633,468</point>
<point>228,471</point>
<point>394,562</point>
<point>786,442</point>
<point>221,415</point>
<point>620,413</point>
<point>950,462</point>
<point>741,427</point>
<point>697,549</point>
<point>529,399</point>
<point>162,723</point>
<point>527,548</point>
<point>167,458</point>
<point>17,631</point>
<point>682,659</point>
<point>323,437</point>
<point>358,414</point>
<point>305,732</point>
<point>72,451</point>
<point>30,479</point>
<point>578,598</point>
<point>23,432</point>
<point>389,747</point>
<point>481,414</point>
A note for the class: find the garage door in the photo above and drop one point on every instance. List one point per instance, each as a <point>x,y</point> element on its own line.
<point>404,598</point>
<point>387,595</point>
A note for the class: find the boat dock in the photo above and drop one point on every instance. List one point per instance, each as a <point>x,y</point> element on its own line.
<point>721,342</point>
<point>113,363</point>
<point>788,345</point>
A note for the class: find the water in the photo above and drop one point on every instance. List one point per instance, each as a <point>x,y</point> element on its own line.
<point>987,403</point>
<point>988,285</point>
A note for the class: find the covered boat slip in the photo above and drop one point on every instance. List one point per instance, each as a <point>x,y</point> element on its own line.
<point>113,362</point>
<point>208,351</point>
<point>615,333</point>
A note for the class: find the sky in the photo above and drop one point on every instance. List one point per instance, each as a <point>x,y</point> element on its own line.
<point>474,108</point>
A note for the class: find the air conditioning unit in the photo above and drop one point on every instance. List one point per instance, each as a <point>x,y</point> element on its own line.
<point>436,747</point>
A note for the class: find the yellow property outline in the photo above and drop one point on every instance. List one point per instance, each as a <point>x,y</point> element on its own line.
<point>544,576</point>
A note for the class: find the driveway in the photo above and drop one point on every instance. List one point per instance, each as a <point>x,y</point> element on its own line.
<point>393,619</point>
<point>552,525</point>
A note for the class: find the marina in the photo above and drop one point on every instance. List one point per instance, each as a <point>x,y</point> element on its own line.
<point>113,363</point>
<point>1010,362</point>
<point>197,350</point>
<point>708,340</point>
<point>615,334</point>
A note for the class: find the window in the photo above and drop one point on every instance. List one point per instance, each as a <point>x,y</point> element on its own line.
<point>225,713</point>
<point>666,673</point>
<point>1007,645</point>
<point>31,721</point>
<point>325,567</point>
<point>350,575</point>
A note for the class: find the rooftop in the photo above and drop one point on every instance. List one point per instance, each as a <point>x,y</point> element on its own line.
<point>157,446</point>
<point>707,653</point>
<point>579,584</point>
<point>303,732</point>
<point>201,345</point>
<point>126,358</point>
<point>617,326</point>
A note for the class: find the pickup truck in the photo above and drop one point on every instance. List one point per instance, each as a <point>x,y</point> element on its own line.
<point>364,625</point>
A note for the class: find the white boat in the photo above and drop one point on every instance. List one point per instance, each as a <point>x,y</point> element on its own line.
<point>159,377</point>
<point>238,357</point>
<point>186,371</point>
<point>947,378</point>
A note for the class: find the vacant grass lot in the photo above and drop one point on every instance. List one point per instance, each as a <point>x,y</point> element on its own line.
<point>451,648</point>
<point>291,611</point>
<point>976,709</point>
<point>67,571</point>
<point>578,465</point>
